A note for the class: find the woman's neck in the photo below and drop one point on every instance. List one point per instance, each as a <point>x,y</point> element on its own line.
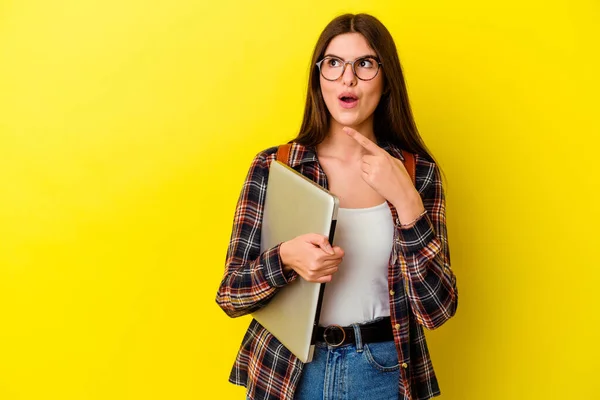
<point>338,144</point>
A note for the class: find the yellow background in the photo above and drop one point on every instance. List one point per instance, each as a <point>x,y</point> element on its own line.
<point>127,127</point>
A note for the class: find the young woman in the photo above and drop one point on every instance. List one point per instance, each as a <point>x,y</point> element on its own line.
<point>388,275</point>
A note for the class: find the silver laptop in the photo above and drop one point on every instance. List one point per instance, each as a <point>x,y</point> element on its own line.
<point>295,205</point>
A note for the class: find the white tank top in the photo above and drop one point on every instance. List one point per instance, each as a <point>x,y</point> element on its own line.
<point>359,290</point>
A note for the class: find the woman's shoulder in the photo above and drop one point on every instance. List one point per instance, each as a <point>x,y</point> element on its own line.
<point>262,159</point>
<point>266,154</point>
<point>295,153</point>
<point>420,159</point>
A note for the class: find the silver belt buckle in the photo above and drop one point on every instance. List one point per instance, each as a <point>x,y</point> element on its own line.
<point>331,327</point>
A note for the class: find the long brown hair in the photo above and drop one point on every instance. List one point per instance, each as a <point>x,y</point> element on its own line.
<point>393,119</point>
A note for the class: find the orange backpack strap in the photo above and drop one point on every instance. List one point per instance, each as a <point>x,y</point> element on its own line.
<point>410,165</point>
<point>283,153</point>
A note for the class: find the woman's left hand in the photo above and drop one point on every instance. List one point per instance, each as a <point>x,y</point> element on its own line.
<point>388,177</point>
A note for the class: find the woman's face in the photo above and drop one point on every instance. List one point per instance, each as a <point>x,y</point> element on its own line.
<point>351,101</point>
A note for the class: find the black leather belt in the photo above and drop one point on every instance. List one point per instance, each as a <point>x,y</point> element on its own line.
<point>335,335</point>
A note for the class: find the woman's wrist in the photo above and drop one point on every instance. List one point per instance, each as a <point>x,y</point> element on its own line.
<point>406,224</point>
<point>284,257</point>
<point>410,209</point>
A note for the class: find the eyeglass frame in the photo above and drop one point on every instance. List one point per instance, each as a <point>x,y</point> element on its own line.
<point>379,65</point>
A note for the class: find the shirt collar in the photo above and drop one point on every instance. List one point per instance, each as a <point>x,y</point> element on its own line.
<point>392,149</point>
<point>300,154</point>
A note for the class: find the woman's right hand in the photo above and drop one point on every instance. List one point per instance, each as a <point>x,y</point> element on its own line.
<point>312,257</point>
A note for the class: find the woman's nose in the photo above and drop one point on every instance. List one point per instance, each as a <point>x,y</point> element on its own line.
<point>348,77</point>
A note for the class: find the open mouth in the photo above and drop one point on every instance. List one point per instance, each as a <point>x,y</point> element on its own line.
<point>348,98</point>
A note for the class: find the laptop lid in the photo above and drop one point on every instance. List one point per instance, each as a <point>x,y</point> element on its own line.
<point>295,205</point>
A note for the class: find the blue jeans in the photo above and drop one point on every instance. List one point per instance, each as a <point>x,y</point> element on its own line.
<point>362,371</point>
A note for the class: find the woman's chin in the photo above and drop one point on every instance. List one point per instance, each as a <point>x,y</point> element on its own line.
<point>348,120</point>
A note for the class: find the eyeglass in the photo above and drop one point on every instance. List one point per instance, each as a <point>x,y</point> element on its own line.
<point>364,68</point>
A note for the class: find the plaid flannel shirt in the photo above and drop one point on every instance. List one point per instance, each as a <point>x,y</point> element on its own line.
<point>423,290</point>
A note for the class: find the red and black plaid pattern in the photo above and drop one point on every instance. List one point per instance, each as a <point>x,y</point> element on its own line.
<point>422,285</point>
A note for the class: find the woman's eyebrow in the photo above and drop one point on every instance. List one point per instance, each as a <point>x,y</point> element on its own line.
<point>366,55</point>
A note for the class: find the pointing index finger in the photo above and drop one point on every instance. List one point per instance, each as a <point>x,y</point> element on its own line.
<point>362,140</point>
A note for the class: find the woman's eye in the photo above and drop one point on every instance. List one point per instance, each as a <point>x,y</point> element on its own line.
<point>366,63</point>
<point>332,62</point>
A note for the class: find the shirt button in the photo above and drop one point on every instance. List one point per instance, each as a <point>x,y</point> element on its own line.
<point>397,327</point>
<point>404,365</point>
<point>392,292</point>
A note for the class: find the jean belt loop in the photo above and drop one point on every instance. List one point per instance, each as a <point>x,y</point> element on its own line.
<point>357,338</point>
